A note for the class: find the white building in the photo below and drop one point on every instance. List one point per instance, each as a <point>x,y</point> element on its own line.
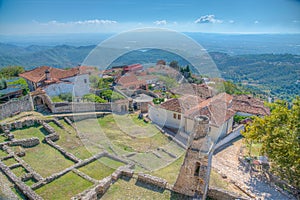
<point>56,81</point>
<point>179,114</point>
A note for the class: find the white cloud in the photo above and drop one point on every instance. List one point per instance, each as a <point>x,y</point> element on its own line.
<point>208,19</point>
<point>96,21</point>
<point>296,21</point>
<point>84,22</point>
<point>256,22</point>
<point>231,21</point>
<point>160,22</point>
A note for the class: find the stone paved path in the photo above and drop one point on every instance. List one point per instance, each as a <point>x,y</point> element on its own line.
<point>226,162</point>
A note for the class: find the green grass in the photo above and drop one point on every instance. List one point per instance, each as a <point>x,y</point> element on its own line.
<point>122,133</point>
<point>30,182</point>
<point>111,163</point>
<point>2,139</point>
<point>170,172</point>
<point>9,162</point>
<point>69,141</point>
<point>132,189</point>
<point>64,187</point>
<point>34,131</point>
<point>2,153</point>
<point>97,170</point>
<point>18,193</point>
<point>19,171</point>
<point>46,160</point>
<point>216,180</point>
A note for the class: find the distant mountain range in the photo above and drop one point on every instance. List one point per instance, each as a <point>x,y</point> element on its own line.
<point>61,56</point>
<point>277,74</point>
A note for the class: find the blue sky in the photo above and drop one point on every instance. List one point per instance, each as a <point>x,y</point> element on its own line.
<point>93,16</point>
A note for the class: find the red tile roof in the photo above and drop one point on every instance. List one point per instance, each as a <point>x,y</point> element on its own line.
<point>182,104</point>
<point>248,104</point>
<point>127,81</point>
<point>38,74</point>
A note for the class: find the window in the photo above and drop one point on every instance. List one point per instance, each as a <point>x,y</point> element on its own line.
<point>197,169</point>
<point>85,81</point>
<point>179,117</point>
<point>174,115</point>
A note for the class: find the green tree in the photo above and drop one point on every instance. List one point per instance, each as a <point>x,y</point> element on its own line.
<point>174,65</point>
<point>94,80</point>
<point>22,82</point>
<point>3,84</point>
<point>11,71</point>
<point>279,135</point>
<point>93,98</point>
<point>110,95</point>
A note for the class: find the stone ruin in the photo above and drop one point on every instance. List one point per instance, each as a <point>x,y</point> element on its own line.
<point>194,174</point>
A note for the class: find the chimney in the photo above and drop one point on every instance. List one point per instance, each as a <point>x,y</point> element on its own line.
<point>48,76</point>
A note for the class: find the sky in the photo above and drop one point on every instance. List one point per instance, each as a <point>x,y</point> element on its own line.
<point>27,17</point>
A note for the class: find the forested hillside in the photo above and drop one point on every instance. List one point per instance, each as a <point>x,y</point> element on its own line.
<point>275,74</point>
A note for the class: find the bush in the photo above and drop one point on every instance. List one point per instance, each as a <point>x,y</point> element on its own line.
<point>3,84</point>
<point>11,71</point>
<point>93,98</point>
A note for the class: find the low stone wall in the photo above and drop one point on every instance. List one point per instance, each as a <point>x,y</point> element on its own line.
<point>74,107</point>
<point>18,124</point>
<point>14,107</point>
<point>152,180</point>
<point>62,151</point>
<point>30,142</point>
<point>26,190</point>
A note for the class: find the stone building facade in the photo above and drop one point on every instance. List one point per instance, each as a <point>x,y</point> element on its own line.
<point>194,174</point>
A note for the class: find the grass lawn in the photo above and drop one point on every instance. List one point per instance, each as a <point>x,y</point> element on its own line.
<point>132,189</point>
<point>69,141</point>
<point>2,139</point>
<point>170,172</point>
<point>19,171</point>
<point>33,131</point>
<point>30,182</point>
<point>125,137</point>
<point>97,170</point>
<point>46,160</point>
<point>111,163</point>
<point>64,187</point>
<point>9,162</point>
<point>2,153</point>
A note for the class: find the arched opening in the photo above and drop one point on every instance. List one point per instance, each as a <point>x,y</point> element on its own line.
<point>38,101</point>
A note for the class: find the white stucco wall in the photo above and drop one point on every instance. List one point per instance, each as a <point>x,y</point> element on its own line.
<point>78,84</point>
<point>81,84</point>
<point>215,132</point>
<point>164,117</point>
<point>58,88</point>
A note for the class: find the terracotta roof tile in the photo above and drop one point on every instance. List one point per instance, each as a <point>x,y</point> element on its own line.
<point>38,74</point>
<point>247,104</point>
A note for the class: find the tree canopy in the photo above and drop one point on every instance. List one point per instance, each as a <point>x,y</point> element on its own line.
<point>279,135</point>
<point>93,98</point>
<point>11,71</point>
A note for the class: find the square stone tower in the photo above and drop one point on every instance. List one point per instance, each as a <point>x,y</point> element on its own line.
<point>194,174</point>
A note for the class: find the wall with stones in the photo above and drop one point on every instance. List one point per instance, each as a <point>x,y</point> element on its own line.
<point>13,107</point>
<point>80,107</point>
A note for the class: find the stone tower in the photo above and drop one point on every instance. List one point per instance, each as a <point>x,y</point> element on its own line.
<point>194,173</point>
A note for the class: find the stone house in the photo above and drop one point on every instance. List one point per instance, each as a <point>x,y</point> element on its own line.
<point>246,105</point>
<point>130,81</point>
<point>56,81</point>
<point>179,113</point>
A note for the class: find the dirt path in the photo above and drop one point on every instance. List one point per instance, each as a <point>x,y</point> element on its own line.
<point>226,162</point>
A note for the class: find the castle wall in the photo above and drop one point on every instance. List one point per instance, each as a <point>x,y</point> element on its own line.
<point>14,107</point>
